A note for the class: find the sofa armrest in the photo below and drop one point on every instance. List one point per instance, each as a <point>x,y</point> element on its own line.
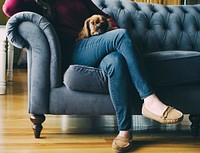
<point>31,30</point>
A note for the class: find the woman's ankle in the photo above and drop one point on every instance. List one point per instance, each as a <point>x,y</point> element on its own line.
<point>153,104</point>
<point>126,133</point>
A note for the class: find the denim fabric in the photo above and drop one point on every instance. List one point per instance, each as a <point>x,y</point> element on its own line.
<point>114,53</point>
<point>119,81</point>
<point>92,79</point>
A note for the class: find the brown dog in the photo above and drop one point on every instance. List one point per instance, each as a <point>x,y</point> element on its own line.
<point>95,25</point>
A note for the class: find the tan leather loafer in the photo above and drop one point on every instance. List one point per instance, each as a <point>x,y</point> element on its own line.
<point>170,115</point>
<point>122,144</point>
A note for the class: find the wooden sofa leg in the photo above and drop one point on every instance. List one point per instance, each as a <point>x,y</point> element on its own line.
<point>195,126</point>
<point>37,121</point>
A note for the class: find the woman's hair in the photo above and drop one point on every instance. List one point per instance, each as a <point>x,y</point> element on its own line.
<point>47,8</point>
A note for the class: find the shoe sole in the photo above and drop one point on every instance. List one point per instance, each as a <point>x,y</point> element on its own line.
<point>124,149</point>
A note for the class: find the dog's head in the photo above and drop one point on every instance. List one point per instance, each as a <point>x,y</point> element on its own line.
<point>95,25</point>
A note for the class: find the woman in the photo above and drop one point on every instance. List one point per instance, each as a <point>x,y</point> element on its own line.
<point>112,52</point>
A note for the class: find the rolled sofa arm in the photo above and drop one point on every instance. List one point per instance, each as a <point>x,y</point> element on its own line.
<point>33,31</point>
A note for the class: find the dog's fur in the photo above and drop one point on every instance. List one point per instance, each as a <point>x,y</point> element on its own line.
<point>94,25</point>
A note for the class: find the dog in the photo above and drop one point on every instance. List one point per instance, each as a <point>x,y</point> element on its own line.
<point>95,25</point>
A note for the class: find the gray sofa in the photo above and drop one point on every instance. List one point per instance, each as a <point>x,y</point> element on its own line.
<point>167,38</point>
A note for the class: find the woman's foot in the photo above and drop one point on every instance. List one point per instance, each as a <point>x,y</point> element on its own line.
<point>154,109</point>
<point>153,104</point>
<point>123,142</point>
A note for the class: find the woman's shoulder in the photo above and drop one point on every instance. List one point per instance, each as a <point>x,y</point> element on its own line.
<point>10,7</point>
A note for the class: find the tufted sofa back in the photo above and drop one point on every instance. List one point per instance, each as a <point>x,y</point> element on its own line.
<point>155,27</point>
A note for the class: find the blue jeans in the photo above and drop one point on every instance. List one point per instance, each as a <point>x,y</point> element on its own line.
<point>113,52</point>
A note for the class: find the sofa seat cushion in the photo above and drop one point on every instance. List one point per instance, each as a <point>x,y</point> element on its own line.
<point>172,67</point>
<point>84,78</point>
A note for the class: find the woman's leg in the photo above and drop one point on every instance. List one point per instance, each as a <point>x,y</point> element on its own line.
<point>120,87</point>
<point>119,84</point>
<point>98,51</point>
<point>92,50</point>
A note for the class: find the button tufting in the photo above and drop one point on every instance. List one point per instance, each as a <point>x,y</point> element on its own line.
<point>121,7</point>
<point>153,9</point>
<point>169,10</point>
<point>137,7</point>
<point>103,5</point>
<point>184,10</point>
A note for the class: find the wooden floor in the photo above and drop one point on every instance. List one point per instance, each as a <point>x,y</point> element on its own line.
<point>82,134</point>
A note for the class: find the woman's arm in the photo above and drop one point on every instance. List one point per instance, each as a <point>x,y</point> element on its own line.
<point>11,7</point>
<point>95,10</point>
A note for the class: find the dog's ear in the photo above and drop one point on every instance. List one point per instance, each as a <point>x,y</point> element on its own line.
<point>86,28</point>
<point>106,22</point>
<point>85,32</point>
<point>110,27</point>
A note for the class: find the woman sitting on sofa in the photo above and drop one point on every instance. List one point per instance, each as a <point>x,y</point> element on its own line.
<point>68,17</point>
